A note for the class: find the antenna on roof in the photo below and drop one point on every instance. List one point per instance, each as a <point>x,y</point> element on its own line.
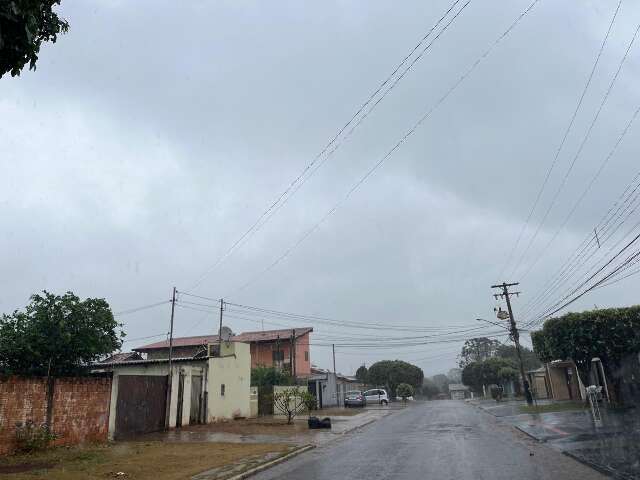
<point>226,334</point>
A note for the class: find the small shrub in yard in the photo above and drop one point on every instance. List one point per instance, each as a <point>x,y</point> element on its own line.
<point>404,390</point>
<point>291,401</point>
<point>31,437</point>
<point>496,392</point>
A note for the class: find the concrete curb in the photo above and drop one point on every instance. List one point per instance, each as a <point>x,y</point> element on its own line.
<point>595,466</point>
<point>271,463</point>
<point>530,435</point>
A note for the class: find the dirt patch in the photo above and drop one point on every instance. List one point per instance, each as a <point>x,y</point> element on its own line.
<point>137,460</point>
<point>24,467</point>
<point>254,426</point>
<point>339,412</point>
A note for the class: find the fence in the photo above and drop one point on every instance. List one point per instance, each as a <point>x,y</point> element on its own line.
<point>80,410</point>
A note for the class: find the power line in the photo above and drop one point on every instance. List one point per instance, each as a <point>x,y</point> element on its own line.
<point>144,338</point>
<point>388,154</point>
<point>555,308</point>
<point>586,190</point>
<point>137,309</point>
<point>562,142</point>
<point>575,260</point>
<point>575,268</point>
<point>300,179</point>
<point>579,151</point>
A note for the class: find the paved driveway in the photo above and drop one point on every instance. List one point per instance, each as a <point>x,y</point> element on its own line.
<point>434,440</point>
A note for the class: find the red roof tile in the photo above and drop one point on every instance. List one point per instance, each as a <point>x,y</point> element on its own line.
<point>247,337</point>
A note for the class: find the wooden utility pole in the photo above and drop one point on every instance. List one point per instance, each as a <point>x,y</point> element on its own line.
<point>506,294</point>
<point>220,328</point>
<point>291,354</point>
<point>170,376</point>
<point>293,347</point>
<point>333,348</point>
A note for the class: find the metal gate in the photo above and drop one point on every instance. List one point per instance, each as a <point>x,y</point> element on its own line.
<point>140,407</point>
<point>265,400</point>
<point>195,411</point>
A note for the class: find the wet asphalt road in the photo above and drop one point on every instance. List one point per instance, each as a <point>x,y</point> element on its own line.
<point>433,440</point>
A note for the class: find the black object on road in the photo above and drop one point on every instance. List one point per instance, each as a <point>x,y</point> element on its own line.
<point>316,423</point>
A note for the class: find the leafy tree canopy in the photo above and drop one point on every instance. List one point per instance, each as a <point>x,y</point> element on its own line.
<point>404,390</point>
<point>530,360</point>
<point>391,373</point>
<point>60,334</point>
<point>493,370</point>
<point>268,376</point>
<point>429,388</point>
<point>361,374</point>
<point>24,25</point>
<point>610,334</point>
<point>442,382</point>
<point>477,350</point>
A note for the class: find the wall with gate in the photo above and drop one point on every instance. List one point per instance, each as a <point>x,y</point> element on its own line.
<point>80,408</point>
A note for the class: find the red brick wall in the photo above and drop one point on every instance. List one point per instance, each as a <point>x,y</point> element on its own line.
<point>80,408</point>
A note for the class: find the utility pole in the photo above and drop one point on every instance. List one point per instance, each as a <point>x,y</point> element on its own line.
<point>333,348</point>
<point>170,376</point>
<point>293,346</point>
<point>291,354</point>
<point>220,328</point>
<point>506,294</point>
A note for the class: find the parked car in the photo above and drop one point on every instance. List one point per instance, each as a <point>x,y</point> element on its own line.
<point>354,398</point>
<point>376,396</point>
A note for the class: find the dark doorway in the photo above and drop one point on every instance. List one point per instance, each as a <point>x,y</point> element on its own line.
<point>140,406</point>
<point>195,411</point>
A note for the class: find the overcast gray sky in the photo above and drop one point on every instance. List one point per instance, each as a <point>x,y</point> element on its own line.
<point>155,133</point>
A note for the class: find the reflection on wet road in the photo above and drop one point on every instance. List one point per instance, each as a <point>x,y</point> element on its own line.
<point>438,440</point>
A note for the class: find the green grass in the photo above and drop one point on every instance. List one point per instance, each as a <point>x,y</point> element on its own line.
<point>552,407</point>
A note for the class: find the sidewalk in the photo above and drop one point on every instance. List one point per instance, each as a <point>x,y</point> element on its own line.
<point>613,448</point>
<point>270,430</point>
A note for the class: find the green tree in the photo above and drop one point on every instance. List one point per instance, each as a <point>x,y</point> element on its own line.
<point>361,374</point>
<point>262,376</point>
<point>530,360</point>
<point>291,402</point>
<point>391,373</point>
<point>24,25</point>
<point>429,388</point>
<point>477,350</point>
<point>442,382</point>
<point>491,371</point>
<point>611,334</point>
<point>57,335</point>
<point>404,390</point>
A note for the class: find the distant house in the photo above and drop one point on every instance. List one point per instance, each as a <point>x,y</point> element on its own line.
<point>458,391</point>
<point>268,348</point>
<point>121,357</point>
<point>330,388</point>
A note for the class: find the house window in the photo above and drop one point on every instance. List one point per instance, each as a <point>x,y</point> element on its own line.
<point>306,356</point>
<point>277,355</point>
<point>222,389</point>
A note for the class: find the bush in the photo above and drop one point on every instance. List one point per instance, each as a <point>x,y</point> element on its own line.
<point>262,376</point>
<point>496,392</point>
<point>291,402</point>
<point>31,437</point>
<point>404,390</point>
